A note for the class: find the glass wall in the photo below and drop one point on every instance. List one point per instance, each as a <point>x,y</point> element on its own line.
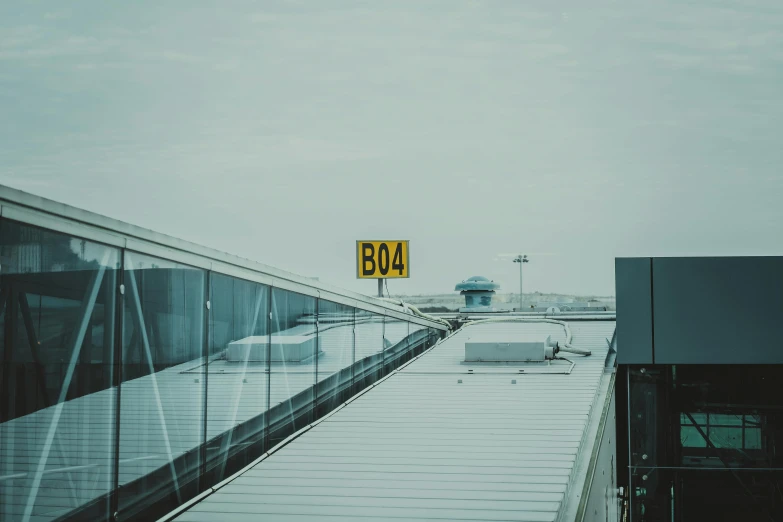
<point>420,337</point>
<point>293,363</point>
<point>130,383</point>
<point>336,349</point>
<point>162,394</point>
<point>57,368</point>
<point>395,343</point>
<point>238,374</point>
<point>704,442</point>
<point>369,349</point>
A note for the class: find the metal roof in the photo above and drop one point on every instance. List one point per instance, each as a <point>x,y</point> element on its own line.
<point>439,440</point>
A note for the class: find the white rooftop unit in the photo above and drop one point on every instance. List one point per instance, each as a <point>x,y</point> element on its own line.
<point>502,347</point>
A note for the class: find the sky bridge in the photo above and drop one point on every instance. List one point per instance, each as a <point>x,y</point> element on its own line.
<point>144,377</point>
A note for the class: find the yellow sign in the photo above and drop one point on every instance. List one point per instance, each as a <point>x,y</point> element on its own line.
<point>382,259</point>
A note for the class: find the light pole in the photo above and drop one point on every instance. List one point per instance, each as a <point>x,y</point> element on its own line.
<point>520,259</point>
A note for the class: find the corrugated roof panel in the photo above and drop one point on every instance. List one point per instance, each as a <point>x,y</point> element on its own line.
<point>499,445</point>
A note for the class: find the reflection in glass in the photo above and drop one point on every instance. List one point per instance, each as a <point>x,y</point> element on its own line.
<point>723,431</point>
<point>418,337</point>
<point>294,341</point>
<point>690,437</point>
<point>335,354</point>
<point>238,379</point>
<point>57,404</point>
<point>752,439</point>
<point>163,381</point>
<point>369,349</point>
<point>395,342</point>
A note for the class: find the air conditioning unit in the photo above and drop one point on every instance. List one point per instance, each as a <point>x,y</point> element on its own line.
<point>509,348</point>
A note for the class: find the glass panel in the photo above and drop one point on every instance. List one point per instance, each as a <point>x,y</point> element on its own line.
<point>163,380</point>
<point>752,438</point>
<point>726,437</point>
<point>700,418</point>
<point>395,331</point>
<point>395,342</point>
<point>691,438</point>
<point>369,348</point>
<point>238,379</point>
<point>717,419</point>
<point>335,354</point>
<point>57,403</point>
<point>418,337</point>
<point>294,341</point>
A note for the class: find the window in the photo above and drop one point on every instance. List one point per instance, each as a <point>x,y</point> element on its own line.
<point>723,431</point>
<point>163,382</point>
<point>57,363</point>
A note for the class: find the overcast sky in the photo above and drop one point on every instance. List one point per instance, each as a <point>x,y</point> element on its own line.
<point>285,131</point>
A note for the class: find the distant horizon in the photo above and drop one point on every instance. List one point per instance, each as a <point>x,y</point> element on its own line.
<point>498,294</point>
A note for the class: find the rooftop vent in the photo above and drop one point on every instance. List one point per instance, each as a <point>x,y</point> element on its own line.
<point>478,292</point>
<point>517,348</point>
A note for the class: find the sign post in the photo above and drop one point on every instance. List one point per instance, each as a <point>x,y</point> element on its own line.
<point>382,260</point>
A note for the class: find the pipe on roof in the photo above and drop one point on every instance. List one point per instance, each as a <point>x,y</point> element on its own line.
<point>566,347</point>
<point>416,311</point>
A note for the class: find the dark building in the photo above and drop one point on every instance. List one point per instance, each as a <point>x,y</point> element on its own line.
<point>700,388</point>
